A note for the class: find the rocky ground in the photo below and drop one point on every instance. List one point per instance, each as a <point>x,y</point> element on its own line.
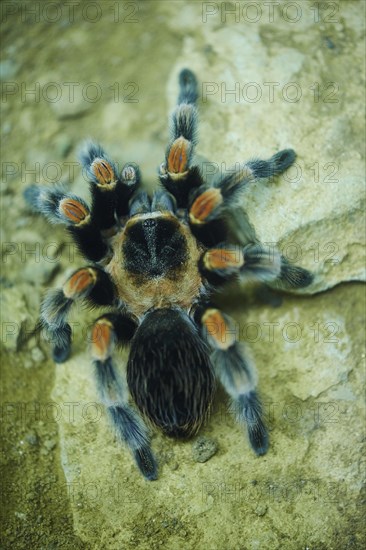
<point>272,76</point>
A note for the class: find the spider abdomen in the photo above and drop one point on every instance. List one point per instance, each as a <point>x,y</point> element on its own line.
<point>169,372</point>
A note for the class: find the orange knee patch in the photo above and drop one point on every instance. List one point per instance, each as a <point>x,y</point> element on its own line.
<point>102,339</point>
<point>224,258</point>
<point>79,282</point>
<point>179,155</point>
<point>220,331</point>
<point>103,171</point>
<point>74,211</point>
<point>204,205</point>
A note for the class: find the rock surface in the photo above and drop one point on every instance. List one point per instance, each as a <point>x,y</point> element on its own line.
<point>285,90</point>
<point>203,449</point>
<point>310,359</point>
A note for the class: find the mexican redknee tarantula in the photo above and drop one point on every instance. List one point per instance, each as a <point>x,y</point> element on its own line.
<point>157,262</point>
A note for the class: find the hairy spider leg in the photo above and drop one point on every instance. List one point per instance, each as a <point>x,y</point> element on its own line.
<point>107,331</point>
<point>252,263</point>
<point>110,193</point>
<point>88,283</point>
<point>65,208</point>
<point>236,371</point>
<point>110,190</point>
<point>209,204</point>
<point>177,174</point>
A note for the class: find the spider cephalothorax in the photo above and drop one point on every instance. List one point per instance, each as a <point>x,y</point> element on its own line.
<point>156,262</point>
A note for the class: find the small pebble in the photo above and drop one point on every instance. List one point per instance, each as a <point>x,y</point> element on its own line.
<point>203,449</point>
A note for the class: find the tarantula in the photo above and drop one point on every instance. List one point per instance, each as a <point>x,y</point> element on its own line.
<point>157,262</point>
